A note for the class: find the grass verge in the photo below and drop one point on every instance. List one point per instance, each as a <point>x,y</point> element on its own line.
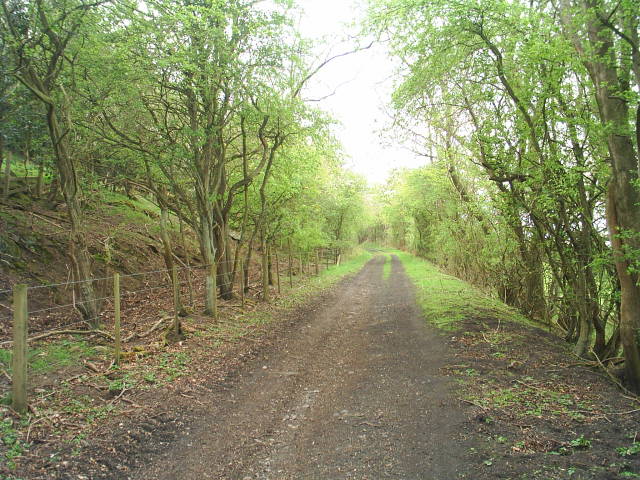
<point>326,279</point>
<point>447,300</point>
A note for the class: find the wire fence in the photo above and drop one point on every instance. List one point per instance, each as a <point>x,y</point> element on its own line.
<point>135,288</point>
<point>159,297</point>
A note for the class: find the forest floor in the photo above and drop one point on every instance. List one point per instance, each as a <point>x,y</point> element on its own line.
<point>356,385</point>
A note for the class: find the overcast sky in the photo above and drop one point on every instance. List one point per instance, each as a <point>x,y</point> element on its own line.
<point>362,83</point>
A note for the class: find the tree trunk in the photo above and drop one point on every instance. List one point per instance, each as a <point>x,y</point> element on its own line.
<point>624,196</point>
<point>78,251</point>
<point>54,189</point>
<point>167,251</point>
<point>40,180</point>
<point>225,261</point>
<point>6,184</point>
<point>270,265</point>
<point>265,271</point>
<point>630,297</point>
<point>187,260</point>
<point>207,251</point>
<point>247,262</point>
<point>2,151</point>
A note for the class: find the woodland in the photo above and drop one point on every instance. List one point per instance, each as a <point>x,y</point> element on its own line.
<point>527,115</point>
<point>194,106</point>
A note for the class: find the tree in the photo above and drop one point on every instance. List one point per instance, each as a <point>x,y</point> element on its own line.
<point>45,41</point>
<point>523,113</point>
<point>605,36</point>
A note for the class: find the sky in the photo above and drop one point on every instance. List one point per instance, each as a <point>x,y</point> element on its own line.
<point>362,83</point>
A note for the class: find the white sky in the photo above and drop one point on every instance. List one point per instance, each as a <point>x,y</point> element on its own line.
<point>363,85</point>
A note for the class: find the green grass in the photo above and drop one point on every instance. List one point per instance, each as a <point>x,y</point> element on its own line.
<point>447,300</point>
<point>52,356</point>
<point>525,401</point>
<point>20,168</point>
<point>139,211</point>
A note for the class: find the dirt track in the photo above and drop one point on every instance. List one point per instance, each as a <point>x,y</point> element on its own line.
<point>354,392</point>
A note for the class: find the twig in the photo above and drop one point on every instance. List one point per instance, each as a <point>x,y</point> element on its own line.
<point>64,332</point>
<point>148,332</point>
<point>632,397</point>
<point>48,221</point>
<point>529,385</point>
<point>624,413</point>
<point>473,403</point>
<point>92,367</point>
<point>31,424</point>
<point>125,389</point>
<point>131,402</point>
<point>72,332</point>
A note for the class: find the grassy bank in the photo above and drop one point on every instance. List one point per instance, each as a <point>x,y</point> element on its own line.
<point>447,300</point>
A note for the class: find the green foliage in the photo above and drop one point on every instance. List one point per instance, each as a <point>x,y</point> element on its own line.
<point>425,215</point>
<point>581,442</point>
<point>174,365</point>
<point>52,356</point>
<point>526,401</point>
<point>632,449</point>
<point>628,474</point>
<point>514,201</point>
<point>15,447</point>
<point>123,383</point>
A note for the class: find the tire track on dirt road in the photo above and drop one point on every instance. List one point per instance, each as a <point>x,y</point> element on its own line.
<point>354,392</point>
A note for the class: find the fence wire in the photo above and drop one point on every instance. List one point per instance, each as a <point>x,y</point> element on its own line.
<point>190,277</point>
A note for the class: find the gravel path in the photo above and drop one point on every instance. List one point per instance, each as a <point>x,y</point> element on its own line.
<point>353,392</point>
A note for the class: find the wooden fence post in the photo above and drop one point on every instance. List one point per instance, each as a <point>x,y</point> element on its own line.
<point>242,283</point>
<point>290,266</point>
<point>176,300</point>
<point>214,289</point>
<point>19,360</point>
<point>265,272</point>
<point>116,315</point>
<point>277,270</point>
<point>317,264</point>
<point>326,259</point>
